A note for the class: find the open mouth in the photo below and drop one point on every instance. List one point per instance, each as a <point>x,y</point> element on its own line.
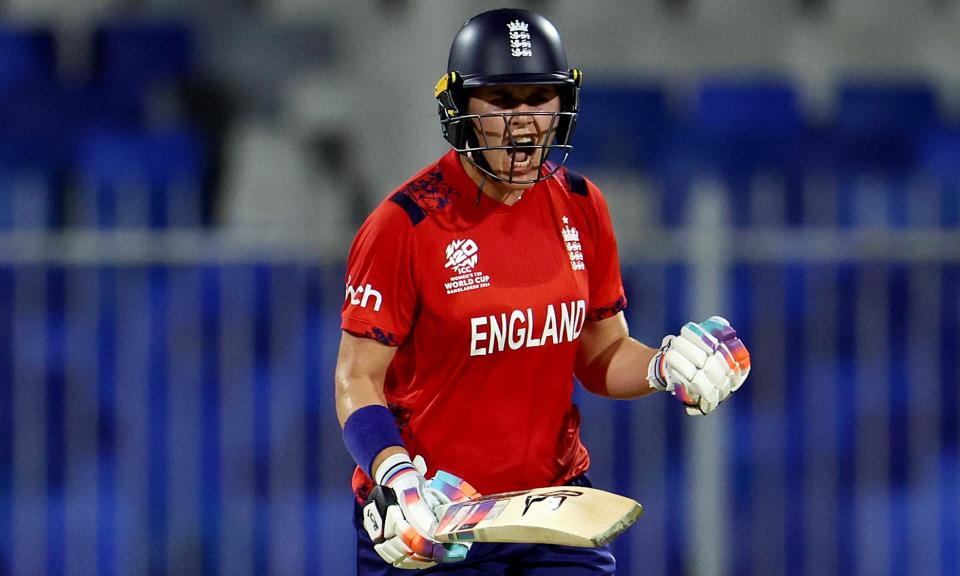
<point>522,152</point>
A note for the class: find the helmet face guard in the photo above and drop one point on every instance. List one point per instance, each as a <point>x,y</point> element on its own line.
<point>463,133</point>
<point>508,48</point>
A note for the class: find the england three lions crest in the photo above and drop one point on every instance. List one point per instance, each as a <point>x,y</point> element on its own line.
<point>571,240</point>
<point>520,45</point>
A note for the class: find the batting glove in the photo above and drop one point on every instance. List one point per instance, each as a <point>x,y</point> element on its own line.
<point>399,513</point>
<point>702,366</point>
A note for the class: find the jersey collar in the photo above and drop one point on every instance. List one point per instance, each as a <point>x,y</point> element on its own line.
<point>455,175</point>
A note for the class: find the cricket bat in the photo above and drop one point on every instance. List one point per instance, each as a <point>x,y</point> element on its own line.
<point>566,515</point>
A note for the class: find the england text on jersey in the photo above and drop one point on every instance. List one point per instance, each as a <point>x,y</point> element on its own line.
<point>523,329</point>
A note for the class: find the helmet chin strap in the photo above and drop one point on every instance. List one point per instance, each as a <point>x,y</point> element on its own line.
<point>483,182</point>
<point>485,176</point>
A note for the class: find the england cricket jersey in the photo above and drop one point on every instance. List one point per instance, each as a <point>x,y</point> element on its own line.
<point>485,303</point>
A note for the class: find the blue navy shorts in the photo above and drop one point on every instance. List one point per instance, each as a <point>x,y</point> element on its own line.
<point>487,559</point>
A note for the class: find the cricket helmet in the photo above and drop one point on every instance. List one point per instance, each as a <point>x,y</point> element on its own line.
<point>507,47</point>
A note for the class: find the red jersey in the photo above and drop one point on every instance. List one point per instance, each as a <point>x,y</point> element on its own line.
<point>484,303</point>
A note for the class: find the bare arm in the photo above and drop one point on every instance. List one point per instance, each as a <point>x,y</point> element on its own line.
<point>611,363</point>
<point>361,368</point>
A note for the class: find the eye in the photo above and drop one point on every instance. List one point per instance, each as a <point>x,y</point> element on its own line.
<point>504,101</point>
<point>540,97</point>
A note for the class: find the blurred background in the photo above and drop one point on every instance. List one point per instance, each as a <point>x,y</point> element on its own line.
<point>179,183</point>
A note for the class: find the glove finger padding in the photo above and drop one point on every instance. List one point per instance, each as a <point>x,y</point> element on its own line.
<point>702,366</point>
<point>396,551</point>
<point>700,337</point>
<point>384,531</point>
<point>698,396</point>
<point>399,517</point>
<point>742,357</point>
<point>676,360</point>
<point>720,329</point>
<point>719,375</point>
<point>692,348</point>
<point>445,488</point>
<point>405,547</point>
<point>419,504</point>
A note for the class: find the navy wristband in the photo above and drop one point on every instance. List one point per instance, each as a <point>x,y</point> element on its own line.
<point>367,432</point>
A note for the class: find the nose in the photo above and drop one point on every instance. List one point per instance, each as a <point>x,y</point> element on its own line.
<point>521,117</point>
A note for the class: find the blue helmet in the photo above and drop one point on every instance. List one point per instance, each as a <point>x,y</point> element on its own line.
<point>507,47</point>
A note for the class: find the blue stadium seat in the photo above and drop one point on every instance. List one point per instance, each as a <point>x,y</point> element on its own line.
<point>736,129</point>
<point>874,135</point>
<point>742,126</point>
<point>877,124</point>
<point>940,159</point>
<point>27,56</point>
<point>940,154</point>
<point>621,126</point>
<point>27,185</point>
<point>44,121</point>
<point>131,178</point>
<point>135,57</point>
<point>40,124</point>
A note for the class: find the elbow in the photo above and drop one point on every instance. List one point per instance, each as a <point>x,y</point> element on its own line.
<point>593,378</point>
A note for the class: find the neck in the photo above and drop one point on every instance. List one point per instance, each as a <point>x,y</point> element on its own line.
<point>503,192</point>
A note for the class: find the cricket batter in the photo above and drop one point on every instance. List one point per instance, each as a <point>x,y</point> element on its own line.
<point>474,294</point>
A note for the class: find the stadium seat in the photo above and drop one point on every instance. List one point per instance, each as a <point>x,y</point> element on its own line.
<point>939,152</point>
<point>742,126</point>
<point>736,130</point>
<point>940,159</point>
<point>27,56</point>
<point>40,124</point>
<point>131,178</point>
<point>133,58</point>
<point>621,126</point>
<point>27,70</point>
<point>877,124</point>
<point>875,135</point>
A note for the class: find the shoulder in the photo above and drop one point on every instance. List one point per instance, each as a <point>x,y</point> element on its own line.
<point>410,203</point>
<point>577,185</point>
<point>426,193</point>
<point>580,190</point>
<point>395,218</point>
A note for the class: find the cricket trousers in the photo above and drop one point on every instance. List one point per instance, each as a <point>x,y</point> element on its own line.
<point>487,559</point>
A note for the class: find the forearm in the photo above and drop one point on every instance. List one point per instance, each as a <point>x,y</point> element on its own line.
<point>354,393</point>
<point>620,370</point>
<point>359,377</point>
<point>626,375</point>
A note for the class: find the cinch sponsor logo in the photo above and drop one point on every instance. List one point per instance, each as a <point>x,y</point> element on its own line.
<point>524,329</point>
<point>361,296</point>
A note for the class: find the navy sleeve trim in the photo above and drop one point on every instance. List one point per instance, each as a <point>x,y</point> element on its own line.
<point>380,335</point>
<point>608,311</point>
<point>577,183</point>
<point>415,212</point>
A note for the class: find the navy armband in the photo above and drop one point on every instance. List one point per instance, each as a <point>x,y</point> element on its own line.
<point>367,432</point>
